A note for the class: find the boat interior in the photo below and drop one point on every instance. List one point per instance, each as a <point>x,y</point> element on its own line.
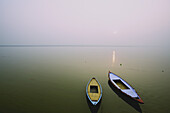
<point>120,84</point>
<point>93,89</point>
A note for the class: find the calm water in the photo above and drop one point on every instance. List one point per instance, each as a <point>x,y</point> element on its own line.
<point>53,79</point>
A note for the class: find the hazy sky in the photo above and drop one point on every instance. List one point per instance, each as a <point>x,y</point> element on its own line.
<point>113,22</point>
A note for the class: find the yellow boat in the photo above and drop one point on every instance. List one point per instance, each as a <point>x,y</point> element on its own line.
<point>94,91</point>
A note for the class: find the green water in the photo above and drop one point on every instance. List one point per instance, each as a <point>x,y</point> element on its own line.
<point>53,79</point>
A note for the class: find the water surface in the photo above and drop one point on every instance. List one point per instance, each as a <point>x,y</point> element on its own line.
<point>53,79</point>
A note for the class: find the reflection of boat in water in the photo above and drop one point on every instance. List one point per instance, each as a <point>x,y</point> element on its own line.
<point>94,91</point>
<point>124,87</point>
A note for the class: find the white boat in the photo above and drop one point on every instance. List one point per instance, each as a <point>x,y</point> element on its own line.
<point>94,91</point>
<point>124,87</point>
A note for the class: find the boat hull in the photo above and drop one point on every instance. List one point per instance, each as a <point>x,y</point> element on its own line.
<point>94,91</point>
<point>124,87</point>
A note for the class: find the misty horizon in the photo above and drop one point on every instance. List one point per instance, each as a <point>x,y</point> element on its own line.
<point>65,22</point>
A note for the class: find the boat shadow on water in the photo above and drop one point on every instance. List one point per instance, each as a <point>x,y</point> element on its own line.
<point>126,98</point>
<point>93,108</point>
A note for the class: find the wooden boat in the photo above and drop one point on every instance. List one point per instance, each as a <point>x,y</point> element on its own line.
<point>94,91</point>
<point>124,87</point>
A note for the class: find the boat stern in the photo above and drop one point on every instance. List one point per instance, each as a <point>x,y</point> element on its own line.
<point>109,74</point>
<point>140,100</point>
<point>94,103</point>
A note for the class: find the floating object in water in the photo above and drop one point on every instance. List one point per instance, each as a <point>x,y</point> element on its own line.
<point>162,70</point>
<point>120,64</point>
<point>94,91</point>
<point>124,87</point>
